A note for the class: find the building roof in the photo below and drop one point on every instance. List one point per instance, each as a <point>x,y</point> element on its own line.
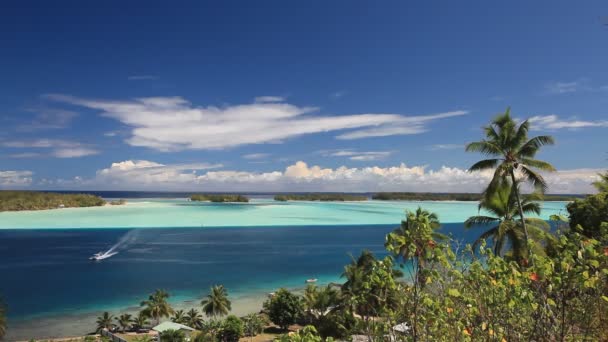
<point>171,326</point>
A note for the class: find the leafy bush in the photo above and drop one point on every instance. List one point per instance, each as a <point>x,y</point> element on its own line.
<point>284,308</point>
<point>232,329</point>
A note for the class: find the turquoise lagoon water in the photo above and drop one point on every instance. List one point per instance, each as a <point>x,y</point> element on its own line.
<point>185,248</point>
<point>258,212</point>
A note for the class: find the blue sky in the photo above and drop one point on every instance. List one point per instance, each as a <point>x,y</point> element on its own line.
<point>168,92</point>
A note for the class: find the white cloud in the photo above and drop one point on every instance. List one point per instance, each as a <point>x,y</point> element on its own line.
<point>15,179</point>
<point>25,155</point>
<point>255,156</point>
<point>173,123</point>
<point>565,87</point>
<point>59,148</point>
<point>142,174</point>
<point>133,172</point>
<point>403,126</point>
<point>142,78</point>
<point>357,155</point>
<point>553,122</point>
<point>263,99</point>
<point>338,94</point>
<point>48,118</point>
<point>447,147</point>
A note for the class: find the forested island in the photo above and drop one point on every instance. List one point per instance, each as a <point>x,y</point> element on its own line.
<point>32,200</point>
<point>219,198</point>
<point>319,197</point>
<point>429,196</point>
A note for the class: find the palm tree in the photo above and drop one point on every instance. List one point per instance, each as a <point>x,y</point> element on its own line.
<point>503,206</point>
<point>124,321</point>
<point>193,319</point>
<point>602,184</point>
<point>178,316</point>
<point>512,153</point>
<point>216,303</point>
<point>105,321</point>
<point>157,306</point>
<point>172,336</point>
<point>140,321</point>
<point>417,233</point>
<point>2,320</point>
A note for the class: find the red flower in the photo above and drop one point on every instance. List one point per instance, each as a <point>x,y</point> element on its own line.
<point>534,277</point>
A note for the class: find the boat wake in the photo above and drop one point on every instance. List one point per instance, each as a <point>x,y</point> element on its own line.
<point>125,241</point>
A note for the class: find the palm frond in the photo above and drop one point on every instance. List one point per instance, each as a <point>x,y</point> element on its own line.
<point>479,220</point>
<point>531,147</point>
<point>485,147</point>
<point>535,178</point>
<point>539,164</point>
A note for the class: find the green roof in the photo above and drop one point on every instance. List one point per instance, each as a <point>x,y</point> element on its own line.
<point>171,326</point>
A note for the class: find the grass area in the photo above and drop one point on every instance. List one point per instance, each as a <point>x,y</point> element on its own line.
<point>32,200</point>
<point>219,198</point>
<point>319,197</point>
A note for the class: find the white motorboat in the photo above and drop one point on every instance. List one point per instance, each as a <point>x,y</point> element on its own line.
<point>102,255</point>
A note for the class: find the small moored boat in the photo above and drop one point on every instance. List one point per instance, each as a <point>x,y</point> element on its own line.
<point>312,280</point>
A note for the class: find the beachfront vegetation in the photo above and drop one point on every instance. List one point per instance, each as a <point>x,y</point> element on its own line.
<point>105,321</point>
<point>172,336</point>
<point>193,319</point>
<point>512,152</point>
<point>284,308</point>
<point>253,324</point>
<point>31,200</point>
<point>320,197</point>
<point>219,198</point>
<point>156,306</point>
<point>232,329</point>
<point>217,303</point>
<point>505,228</point>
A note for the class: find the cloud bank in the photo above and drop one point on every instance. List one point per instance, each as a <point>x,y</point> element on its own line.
<point>554,122</point>
<point>58,148</point>
<point>174,124</point>
<point>15,179</point>
<point>142,175</point>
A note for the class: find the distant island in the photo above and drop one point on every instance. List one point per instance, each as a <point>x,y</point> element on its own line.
<point>319,197</point>
<point>219,198</point>
<point>429,196</point>
<point>32,200</point>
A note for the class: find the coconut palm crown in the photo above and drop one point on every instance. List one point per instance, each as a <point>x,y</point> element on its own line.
<point>216,303</point>
<point>512,153</point>
<point>506,230</point>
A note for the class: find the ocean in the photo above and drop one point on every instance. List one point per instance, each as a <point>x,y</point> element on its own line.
<point>180,247</point>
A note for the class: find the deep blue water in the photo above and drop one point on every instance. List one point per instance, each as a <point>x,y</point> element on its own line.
<point>47,271</point>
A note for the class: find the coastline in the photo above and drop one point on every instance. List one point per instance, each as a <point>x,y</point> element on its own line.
<point>82,323</point>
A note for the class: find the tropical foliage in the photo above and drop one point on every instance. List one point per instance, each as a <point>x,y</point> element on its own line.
<point>216,304</point>
<point>512,153</point>
<point>232,329</point>
<point>284,308</point>
<point>320,197</point>
<point>124,321</point>
<point>602,184</point>
<point>31,200</point>
<point>157,306</point>
<point>219,198</point>
<point>172,336</point>
<point>105,321</point>
<point>505,230</point>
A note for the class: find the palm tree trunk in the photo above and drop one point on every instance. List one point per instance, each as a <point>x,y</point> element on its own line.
<point>521,212</point>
